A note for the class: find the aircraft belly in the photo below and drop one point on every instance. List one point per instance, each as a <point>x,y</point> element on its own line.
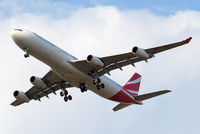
<point>75,77</point>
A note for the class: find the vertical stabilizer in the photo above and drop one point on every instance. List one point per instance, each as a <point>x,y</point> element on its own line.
<point>133,85</point>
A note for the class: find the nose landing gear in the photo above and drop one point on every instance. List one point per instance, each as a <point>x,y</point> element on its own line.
<point>26,55</point>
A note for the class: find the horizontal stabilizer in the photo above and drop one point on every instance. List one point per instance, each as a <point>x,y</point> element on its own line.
<point>150,95</point>
<point>120,106</point>
<point>17,103</point>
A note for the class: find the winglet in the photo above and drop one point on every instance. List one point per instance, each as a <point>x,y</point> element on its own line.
<point>187,40</point>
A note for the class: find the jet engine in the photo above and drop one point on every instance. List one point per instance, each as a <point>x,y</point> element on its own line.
<point>95,61</point>
<point>38,82</point>
<point>140,52</point>
<point>21,96</point>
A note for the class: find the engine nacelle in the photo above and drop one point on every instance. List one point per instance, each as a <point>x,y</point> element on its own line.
<point>38,82</point>
<point>95,61</point>
<point>21,96</point>
<point>140,52</point>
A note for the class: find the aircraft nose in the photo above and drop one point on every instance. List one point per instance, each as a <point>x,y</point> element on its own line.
<point>15,34</point>
<point>22,38</point>
<point>12,34</point>
<point>18,36</point>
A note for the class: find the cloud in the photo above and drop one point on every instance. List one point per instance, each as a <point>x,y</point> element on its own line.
<point>105,30</point>
<point>55,9</point>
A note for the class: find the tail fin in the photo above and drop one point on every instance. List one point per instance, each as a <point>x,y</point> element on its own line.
<point>133,85</point>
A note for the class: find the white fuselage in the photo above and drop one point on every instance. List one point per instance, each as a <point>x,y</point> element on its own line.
<point>59,61</point>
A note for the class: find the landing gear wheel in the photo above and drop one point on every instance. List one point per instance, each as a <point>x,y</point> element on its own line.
<point>82,90</point>
<point>65,92</point>
<point>102,85</point>
<point>83,87</point>
<point>98,80</point>
<point>69,97</point>
<point>98,87</point>
<point>94,83</point>
<point>61,93</point>
<point>26,52</point>
<point>26,55</point>
<point>65,98</point>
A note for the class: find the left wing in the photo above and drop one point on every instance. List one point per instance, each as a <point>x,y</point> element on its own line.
<point>110,63</point>
<point>54,83</point>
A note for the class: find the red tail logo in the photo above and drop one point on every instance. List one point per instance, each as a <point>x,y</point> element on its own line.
<point>133,85</point>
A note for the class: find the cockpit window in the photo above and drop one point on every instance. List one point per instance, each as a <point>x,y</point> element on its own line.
<point>18,30</point>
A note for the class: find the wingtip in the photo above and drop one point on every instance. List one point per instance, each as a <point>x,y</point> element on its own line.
<point>188,40</point>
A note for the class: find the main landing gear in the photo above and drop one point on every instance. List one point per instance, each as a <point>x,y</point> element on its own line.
<point>26,55</point>
<point>83,87</point>
<point>98,83</point>
<point>64,93</point>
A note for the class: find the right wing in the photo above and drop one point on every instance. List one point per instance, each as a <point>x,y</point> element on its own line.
<point>54,83</point>
<point>118,61</point>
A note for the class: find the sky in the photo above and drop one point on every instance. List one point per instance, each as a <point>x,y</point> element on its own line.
<point>102,28</point>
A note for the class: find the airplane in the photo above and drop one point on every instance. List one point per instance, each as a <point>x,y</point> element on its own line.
<point>89,74</point>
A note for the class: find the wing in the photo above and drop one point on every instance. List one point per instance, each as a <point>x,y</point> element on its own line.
<point>54,83</point>
<point>121,60</point>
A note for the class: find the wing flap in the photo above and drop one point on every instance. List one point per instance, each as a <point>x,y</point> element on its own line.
<point>119,65</point>
<point>116,58</point>
<point>46,92</point>
<point>150,95</point>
